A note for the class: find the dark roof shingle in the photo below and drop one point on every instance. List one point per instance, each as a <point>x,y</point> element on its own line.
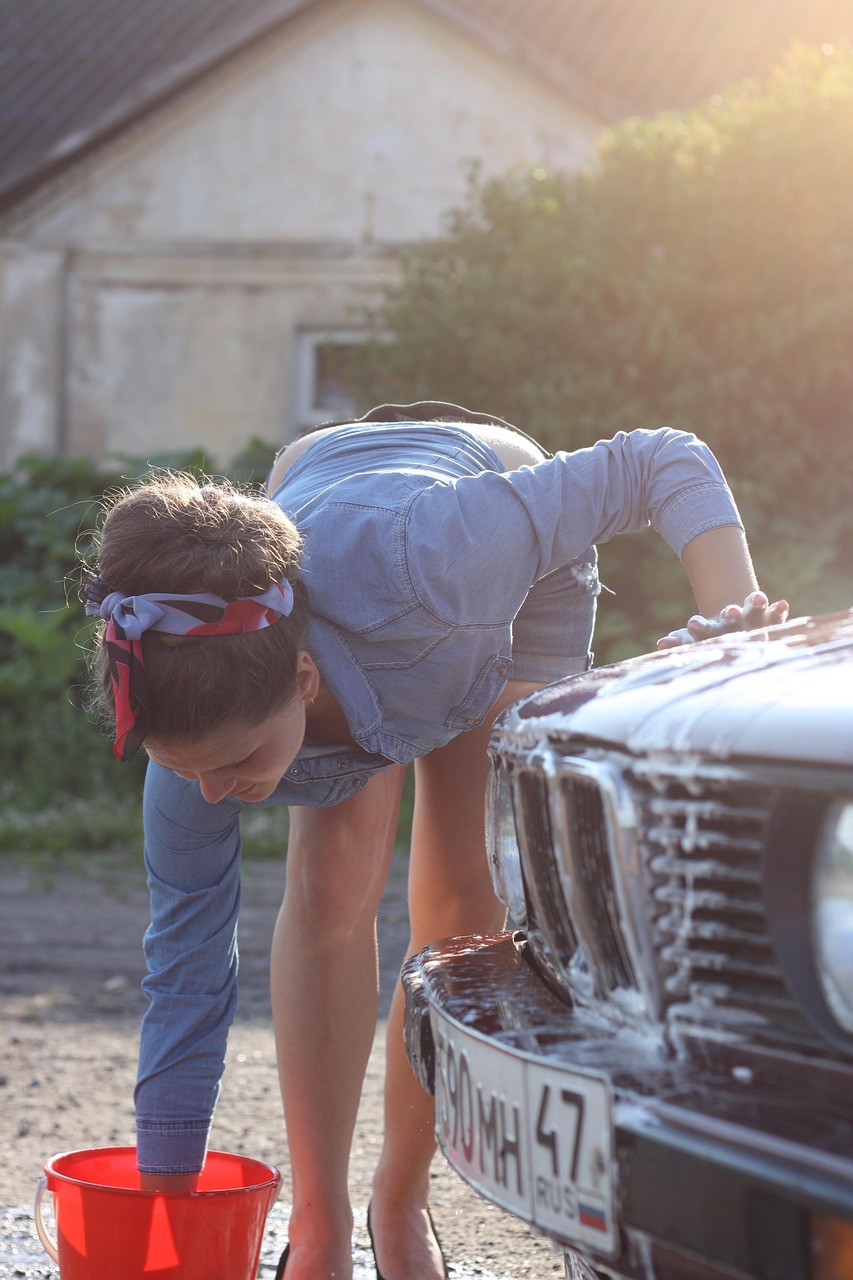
<point>75,72</point>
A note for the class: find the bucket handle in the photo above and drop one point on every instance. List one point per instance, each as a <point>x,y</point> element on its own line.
<point>50,1246</point>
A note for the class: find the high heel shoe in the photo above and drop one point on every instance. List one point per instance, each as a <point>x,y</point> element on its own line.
<point>379,1275</point>
<point>282,1263</point>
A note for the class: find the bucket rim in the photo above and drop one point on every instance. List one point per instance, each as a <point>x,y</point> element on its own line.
<point>53,1174</point>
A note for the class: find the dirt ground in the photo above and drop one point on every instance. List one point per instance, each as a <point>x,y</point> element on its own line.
<point>70,1005</point>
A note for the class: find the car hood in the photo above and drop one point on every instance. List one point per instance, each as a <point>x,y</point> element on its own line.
<point>781,694</point>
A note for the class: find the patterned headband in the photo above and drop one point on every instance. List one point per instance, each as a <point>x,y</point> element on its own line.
<point>200,614</point>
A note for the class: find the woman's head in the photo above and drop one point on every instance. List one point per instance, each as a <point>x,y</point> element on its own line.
<point>176,534</point>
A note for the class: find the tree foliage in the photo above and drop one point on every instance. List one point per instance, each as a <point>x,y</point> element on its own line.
<point>701,276</point>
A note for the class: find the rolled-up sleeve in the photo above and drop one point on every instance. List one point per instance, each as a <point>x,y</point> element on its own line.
<point>192,856</point>
<point>512,528</point>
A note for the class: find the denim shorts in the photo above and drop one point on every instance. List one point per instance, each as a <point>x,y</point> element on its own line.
<point>543,645</point>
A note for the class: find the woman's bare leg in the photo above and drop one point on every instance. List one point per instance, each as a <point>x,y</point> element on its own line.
<point>450,892</point>
<point>324,985</point>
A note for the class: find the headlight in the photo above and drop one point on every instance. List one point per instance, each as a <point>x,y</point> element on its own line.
<point>502,845</point>
<point>832,912</point>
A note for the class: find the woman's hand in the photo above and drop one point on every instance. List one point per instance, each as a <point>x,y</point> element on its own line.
<point>168,1181</point>
<point>756,611</point>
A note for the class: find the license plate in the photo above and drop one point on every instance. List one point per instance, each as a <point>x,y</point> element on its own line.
<point>535,1139</point>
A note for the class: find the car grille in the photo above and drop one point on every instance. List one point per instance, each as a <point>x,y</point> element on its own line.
<point>698,914</point>
<point>586,828</point>
<point>571,894</point>
<point>545,890</point>
<point>701,837</point>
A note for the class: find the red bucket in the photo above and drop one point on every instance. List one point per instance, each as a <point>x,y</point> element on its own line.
<point>108,1227</point>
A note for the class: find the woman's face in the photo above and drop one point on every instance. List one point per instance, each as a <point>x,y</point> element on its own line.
<point>246,761</point>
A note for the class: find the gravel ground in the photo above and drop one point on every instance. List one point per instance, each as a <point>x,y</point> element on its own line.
<point>70,965</point>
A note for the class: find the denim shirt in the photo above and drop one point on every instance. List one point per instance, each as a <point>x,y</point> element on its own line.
<point>419,552</point>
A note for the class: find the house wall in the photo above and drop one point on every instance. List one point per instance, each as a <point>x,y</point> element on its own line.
<point>177,351</point>
<point>32,283</point>
<point>152,298</point>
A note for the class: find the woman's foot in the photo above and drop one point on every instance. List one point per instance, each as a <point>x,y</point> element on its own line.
<point>314,1263</point>
<point>326,1256</point>
<point>404,1243</point>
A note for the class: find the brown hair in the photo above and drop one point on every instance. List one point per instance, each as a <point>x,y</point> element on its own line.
<point>177,533</point>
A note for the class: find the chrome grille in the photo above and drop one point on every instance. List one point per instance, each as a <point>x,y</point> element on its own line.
<point>546,899</point>
<point>661,893</point>
<point>595,892</point>
<point>701,834</point>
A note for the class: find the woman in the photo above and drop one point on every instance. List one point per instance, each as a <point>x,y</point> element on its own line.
<point>408,576</point>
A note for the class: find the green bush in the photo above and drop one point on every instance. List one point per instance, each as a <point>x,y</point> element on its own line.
<point>700,277</point>
<point>58,772</point>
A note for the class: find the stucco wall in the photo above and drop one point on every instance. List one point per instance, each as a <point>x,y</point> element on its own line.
<point>357,126</point>
<point>32,283</point>
<point>170,275</point>
<point>180,351</point>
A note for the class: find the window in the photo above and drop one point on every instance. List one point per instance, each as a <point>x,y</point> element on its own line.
<point>321,388</point>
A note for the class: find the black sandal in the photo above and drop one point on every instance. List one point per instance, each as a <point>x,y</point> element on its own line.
<point>379,1275</point>
<point>282,1263</point>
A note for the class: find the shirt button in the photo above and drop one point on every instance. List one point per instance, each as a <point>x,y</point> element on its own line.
<point>470,722</point>
<point>344,764</point>
<point>501,671</point>
<point>294,772</point>
<point>358,784</point>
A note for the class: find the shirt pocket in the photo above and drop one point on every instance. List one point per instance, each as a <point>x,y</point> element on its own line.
<point>482,695</point>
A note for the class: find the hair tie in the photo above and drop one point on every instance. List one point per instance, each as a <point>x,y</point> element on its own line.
<point>177,614</point>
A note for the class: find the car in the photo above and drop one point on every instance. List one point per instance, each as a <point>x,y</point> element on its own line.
<point>653,1064</point>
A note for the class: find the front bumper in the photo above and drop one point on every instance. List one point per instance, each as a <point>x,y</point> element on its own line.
<point>595,1134</point>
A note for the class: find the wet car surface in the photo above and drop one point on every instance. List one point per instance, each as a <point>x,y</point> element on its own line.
<point>655,1068</point>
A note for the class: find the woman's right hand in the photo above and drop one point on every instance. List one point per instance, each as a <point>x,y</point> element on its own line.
<point>756,611</point>
<point>168,1181</point>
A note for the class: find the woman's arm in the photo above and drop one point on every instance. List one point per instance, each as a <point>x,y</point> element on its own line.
<point>192,855</point>
<point>529,522</point>
<point>720,570</point>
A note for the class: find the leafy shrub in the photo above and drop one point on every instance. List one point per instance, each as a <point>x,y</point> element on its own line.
<point>57,767</point>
